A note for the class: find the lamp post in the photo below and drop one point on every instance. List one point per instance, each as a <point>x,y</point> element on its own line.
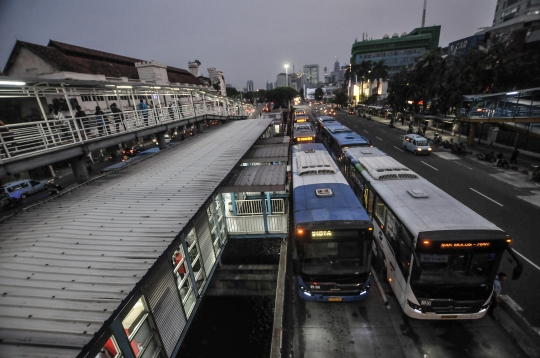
<point>286,80</point>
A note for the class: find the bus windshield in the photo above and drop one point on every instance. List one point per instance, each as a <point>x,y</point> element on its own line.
<point>468,268</point>
<point>328,258</point>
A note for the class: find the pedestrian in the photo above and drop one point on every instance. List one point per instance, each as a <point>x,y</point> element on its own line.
<point>425,127</point>
<point>171,111</point>
<point>6,136</point>
<point>497,291</point>
<point>513,157</point>
<point>118,117</point>
<point>83,121</point>
<point>144,111</point>
<point>403,120</point>
<point>62,123</point>
<point>499,158</point>
<point>100,121</point>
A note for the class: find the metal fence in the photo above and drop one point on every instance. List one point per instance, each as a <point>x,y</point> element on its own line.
<point>24,139</point>
<point>255,224</point>
<point>254,207</point>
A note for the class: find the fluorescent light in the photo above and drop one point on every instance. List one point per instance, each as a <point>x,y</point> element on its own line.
<point>12,83</point>
<point>511,93</point>
<point>124,86</point>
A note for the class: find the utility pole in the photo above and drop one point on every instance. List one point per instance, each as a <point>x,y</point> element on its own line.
<point>424,14</point>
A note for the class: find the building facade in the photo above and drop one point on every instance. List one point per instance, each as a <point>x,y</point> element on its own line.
<point>509,9</point>
<point>283,80</point>
<point>311,73</point>
<point>249,86</point>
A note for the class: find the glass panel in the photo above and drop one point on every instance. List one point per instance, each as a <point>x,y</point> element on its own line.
<point>110,350</point>
<point>184,287</point>
<point>134,317</point>
<point>151,348</point>
<point>142,335</point>
<point>380,210</point>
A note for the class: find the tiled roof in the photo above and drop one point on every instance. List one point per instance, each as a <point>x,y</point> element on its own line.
<point>71,58</point>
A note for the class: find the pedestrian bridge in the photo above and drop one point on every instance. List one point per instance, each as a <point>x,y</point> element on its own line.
<point>121,262</point>
<point>70,134</point>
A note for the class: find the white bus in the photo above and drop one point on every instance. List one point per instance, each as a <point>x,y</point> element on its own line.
<point>439,256</point>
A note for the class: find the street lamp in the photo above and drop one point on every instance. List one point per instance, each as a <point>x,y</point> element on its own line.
<point>286,81</point>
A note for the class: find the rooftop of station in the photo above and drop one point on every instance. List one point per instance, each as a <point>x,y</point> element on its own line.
<point>70,263</point>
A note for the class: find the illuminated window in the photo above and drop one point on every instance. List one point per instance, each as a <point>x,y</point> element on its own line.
<point>110,350</point>
<point>141,331</point>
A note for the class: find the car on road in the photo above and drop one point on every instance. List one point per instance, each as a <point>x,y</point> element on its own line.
<point>20,189</point>
<point>132,151</point>
<point>416,144</point>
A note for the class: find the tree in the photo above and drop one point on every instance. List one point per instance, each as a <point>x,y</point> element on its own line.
<point>281,95</point>
<point>341,99</point>
<point>363,70</point>
<point>318,94</point>
<point>231,91</point>
<point>380,72</point>
<point>216,86</point>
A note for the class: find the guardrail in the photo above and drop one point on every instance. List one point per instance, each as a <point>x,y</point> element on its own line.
<point>254,207</point>
<point>24,139</point>
<point>255,224</point>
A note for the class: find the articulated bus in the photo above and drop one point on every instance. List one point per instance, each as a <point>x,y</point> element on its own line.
<point>301,118</point>
<point>303,133</point>
<point>337,138</point>
<point>439,256</point>
<point>333,234</point>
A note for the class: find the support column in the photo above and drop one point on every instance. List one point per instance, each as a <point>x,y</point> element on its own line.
<point>78,166</point>
<point>199,127</point>
<point>265,217</point>
<point>472,134</point>
<point>161,140</point>
<point>269,201</point>
<point>233,204</point>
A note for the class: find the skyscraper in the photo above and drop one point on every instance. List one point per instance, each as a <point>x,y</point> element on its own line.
<point>249,86</point>
<point>312,74</point>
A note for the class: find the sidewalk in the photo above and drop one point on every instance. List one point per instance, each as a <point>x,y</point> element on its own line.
<point>525,158</point>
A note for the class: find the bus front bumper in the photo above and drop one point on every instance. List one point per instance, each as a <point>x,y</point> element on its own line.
<point>317,297</point>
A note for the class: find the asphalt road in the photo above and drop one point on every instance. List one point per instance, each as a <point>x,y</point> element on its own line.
<point>491,192</point>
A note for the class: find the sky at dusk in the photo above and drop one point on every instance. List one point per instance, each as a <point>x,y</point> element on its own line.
<point>245,39</point>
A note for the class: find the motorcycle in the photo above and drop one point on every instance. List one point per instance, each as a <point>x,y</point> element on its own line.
<point>53,188</point>
<point>448,144</point>
<point>489,157</point>
<point>113,157</point>
<point>7,202</point>
<point>437,139</point>
<point>458,149</point>
<point>501,162</point>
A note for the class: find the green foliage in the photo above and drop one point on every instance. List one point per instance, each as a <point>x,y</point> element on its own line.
<point>441,82</point>
<point>231,91</point>
<point>341,99</point>
<point>281,95</point>
<point>216,86</point>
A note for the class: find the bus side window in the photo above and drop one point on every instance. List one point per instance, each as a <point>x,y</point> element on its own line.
<point>368,199</point>
<point>380,211</point>
<point>401,245</point>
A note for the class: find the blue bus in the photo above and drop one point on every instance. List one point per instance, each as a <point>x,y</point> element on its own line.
<point>337,138</point>
<point>333,234</point>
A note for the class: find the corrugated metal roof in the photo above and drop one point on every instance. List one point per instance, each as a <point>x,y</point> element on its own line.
<point>274,140</point>
<point>256,178</point>
<point>270,153</point>
<point>66,264</point>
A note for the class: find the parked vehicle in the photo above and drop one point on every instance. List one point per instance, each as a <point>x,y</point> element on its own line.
<point>113,157</point>
<point>447,144</point>
<point>488,157</point>
<point>437,139</point>
<point>458,148</point>
<point>416,144</point>
<point>22,188</point>
<point>132,151</point>
<point>7,202</point>
<point>53,188</point>
<point>501,161</point>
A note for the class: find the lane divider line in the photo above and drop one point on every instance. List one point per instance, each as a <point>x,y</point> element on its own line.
<point>378,138</point>
<point>399,149</point>
<point>526,259</point>
<point>365,130</point>
<point>461,164</point>
<point>429,165</point>
<point>487,197</point>
<point>385,300</point>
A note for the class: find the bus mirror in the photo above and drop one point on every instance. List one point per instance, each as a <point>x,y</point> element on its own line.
<point>516,274</point>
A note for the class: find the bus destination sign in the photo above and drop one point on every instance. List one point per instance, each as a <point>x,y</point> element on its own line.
<point>464,245</point>
<point>321,234</point>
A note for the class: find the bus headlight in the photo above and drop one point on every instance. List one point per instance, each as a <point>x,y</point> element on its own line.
<point>415,307</point>
<point>305,291</point>
<point>483,308</point>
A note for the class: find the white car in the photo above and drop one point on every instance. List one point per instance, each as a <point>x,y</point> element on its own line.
<point>416,144</point>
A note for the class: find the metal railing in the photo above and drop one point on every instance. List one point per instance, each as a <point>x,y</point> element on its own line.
<point>254,207</point>
<point>255,224</point>
<point>25,139</point>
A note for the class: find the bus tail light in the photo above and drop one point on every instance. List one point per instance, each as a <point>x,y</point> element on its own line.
<point>509,240</point>
<point>300,231</point>
<point>425,242</point>
<point>370,229</point>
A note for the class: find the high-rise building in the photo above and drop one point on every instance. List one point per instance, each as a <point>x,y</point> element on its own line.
<point>249,86</point>
<point>312,74</point>
<point>283,80</point>
<point>516,23</point>
<point>269,86</point>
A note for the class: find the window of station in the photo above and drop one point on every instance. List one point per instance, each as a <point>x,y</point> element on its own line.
<point>141,331</point>
<point>110,350</point>
<point>195,258</point>
<point>214,224</point>
<point>183,280</point>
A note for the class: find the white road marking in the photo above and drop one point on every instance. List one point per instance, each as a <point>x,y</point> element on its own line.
<point>378,138</point>
<point>385,300</point>
<point>487,197</point>
<point>458,163</point>
<point>524,258</point>
<point>429,165</point>
<point>365,130</point>
<point>399,149</point>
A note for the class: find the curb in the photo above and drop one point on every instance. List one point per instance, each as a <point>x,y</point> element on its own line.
<point>515,312</point>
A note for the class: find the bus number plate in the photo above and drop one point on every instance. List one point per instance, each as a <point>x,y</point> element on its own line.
<point>448,317</point>
<point>335,299</point>
<point>425,303</point>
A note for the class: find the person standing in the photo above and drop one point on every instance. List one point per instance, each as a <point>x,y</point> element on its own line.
<point>118,117</point>
<point>513,157</point>
<point>100,121</point>
<point>497,291</point>
<point>81,116</point>
<point>144,111</point>
<point>61,123</point>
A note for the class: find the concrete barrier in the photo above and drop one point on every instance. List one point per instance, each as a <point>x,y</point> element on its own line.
<point>277,329</point>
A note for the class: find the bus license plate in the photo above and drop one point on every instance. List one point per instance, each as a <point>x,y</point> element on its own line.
<point>448,317</point>
<point>335,299</point>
